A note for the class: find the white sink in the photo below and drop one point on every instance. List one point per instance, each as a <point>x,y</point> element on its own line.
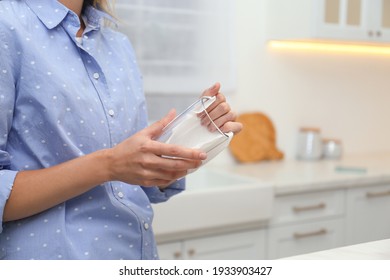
<point>210,179</point>
<point>214,199</point>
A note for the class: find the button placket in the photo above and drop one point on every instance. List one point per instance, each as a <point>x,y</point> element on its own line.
<point>98,79</point>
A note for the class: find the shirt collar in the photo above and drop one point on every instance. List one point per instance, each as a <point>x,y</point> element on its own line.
<point>52,13</point>
<point>94,17</point>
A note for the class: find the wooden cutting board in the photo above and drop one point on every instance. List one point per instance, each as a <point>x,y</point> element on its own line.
<point>256,141</point>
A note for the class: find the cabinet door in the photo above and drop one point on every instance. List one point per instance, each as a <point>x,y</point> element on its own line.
<point>293,209</point>
<point>381,21</point>
<point>169,39</point>
<point>368,214</point>
<point>343,19</point>
<point>237,246</point>
<point>305,238</point>
<point>170,251</point>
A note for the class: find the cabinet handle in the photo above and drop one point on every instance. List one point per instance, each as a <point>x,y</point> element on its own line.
<point>309,208</point>
<point>177,255</point>
<point>370,33</point>
<point>377,194</point>
<point>191,252</point>
<point>299,235</point>
<point>378,33</point>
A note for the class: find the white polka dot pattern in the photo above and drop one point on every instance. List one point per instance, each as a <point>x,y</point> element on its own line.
<point>59,100</point>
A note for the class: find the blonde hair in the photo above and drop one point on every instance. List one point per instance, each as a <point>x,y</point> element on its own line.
<point>103,5</point>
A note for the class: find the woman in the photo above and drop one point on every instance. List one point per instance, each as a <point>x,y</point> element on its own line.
<point>78,164</point>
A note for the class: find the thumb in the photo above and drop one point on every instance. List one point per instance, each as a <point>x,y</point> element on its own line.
<point>155,129</point>
<point>212,91</point>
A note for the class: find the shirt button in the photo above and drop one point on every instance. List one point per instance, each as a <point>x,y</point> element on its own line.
<point>146,226</point>
<point>111,112</point>
<point>120,194</point>
<point>96,75</point>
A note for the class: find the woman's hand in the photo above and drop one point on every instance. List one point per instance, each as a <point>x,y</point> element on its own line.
<point>141,160</point>
<point>220,112</point>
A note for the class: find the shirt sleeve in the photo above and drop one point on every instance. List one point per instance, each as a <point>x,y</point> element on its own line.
<point>7,101</point>
<point>155,195</point>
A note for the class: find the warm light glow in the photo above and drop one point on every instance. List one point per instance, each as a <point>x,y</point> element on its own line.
<point>330,47</point>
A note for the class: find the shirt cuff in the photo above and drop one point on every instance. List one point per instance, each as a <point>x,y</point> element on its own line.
<point>7,178</point>
<point>156,195</point>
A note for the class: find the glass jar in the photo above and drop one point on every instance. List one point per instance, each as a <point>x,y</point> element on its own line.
<point>331,148</point>
<point>309,143</point>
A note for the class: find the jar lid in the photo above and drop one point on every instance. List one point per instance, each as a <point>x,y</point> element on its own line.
<point>310,129</point>
<point>330,140</point>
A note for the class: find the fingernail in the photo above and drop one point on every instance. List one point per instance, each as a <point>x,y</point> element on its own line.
<point>211,128</point>
<point>213,87</point>
<point>201,115</point>
<point>202,156</point>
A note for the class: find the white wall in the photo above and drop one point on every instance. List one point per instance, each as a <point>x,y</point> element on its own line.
<point>347,96</point>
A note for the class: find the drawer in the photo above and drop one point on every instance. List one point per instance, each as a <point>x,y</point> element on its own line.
<point>170,251</point>
<point>367,209</point>
<point>246,245</point>
<point>286,241</point>
<point>308,206</point>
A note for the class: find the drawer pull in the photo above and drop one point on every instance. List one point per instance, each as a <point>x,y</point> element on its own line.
<point>309,208</point>
<point>191,252</point>
<point>377,194</point>
<point>299,235</point>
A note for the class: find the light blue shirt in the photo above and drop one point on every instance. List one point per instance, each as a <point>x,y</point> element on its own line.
<point>61,99</point>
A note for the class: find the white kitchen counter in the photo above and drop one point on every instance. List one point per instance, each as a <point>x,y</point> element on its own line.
<point>376,250</point>
<point>283,177</point>
<point>293,176</point>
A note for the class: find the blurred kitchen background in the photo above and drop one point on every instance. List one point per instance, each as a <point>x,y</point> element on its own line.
<point>340,88</point>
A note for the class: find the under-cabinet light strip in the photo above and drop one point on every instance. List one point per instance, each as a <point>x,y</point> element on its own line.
<point>330,47</point>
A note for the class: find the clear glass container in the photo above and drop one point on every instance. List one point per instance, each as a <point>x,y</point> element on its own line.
<point>309,144</point>
<point>186,130</point>
<point>331,148</point>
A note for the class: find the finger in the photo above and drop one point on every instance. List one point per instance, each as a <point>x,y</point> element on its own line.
<point>220,99</point>
<point>229,117</point>
<point>156,128</point>
<point>234,127</point>
<point>213,90</point>
<point>219,111</point>
<point>222,113</point>
<point>162,175</point>
<point>173,151</point>
<point>169,164</point>
<point>154,167</point>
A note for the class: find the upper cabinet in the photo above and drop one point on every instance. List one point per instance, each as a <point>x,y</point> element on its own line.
<point>342,20</point>
<point>381,20</point>
<point>182,47</point>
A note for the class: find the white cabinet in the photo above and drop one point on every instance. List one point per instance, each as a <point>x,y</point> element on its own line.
<point>380,28</point>
<point>305,223</point>
<point>244,245</point>
<point>341,20</point>
<point>181,46</point>
<point>170,251</point>
<point>301,223</point>
<point>368,211</point>
<point>305,238</point>
<point>344,19</point>
<point>354,20</point>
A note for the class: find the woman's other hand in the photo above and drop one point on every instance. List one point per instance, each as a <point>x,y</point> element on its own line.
<point>141,160</point>
<point>220,112</point>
